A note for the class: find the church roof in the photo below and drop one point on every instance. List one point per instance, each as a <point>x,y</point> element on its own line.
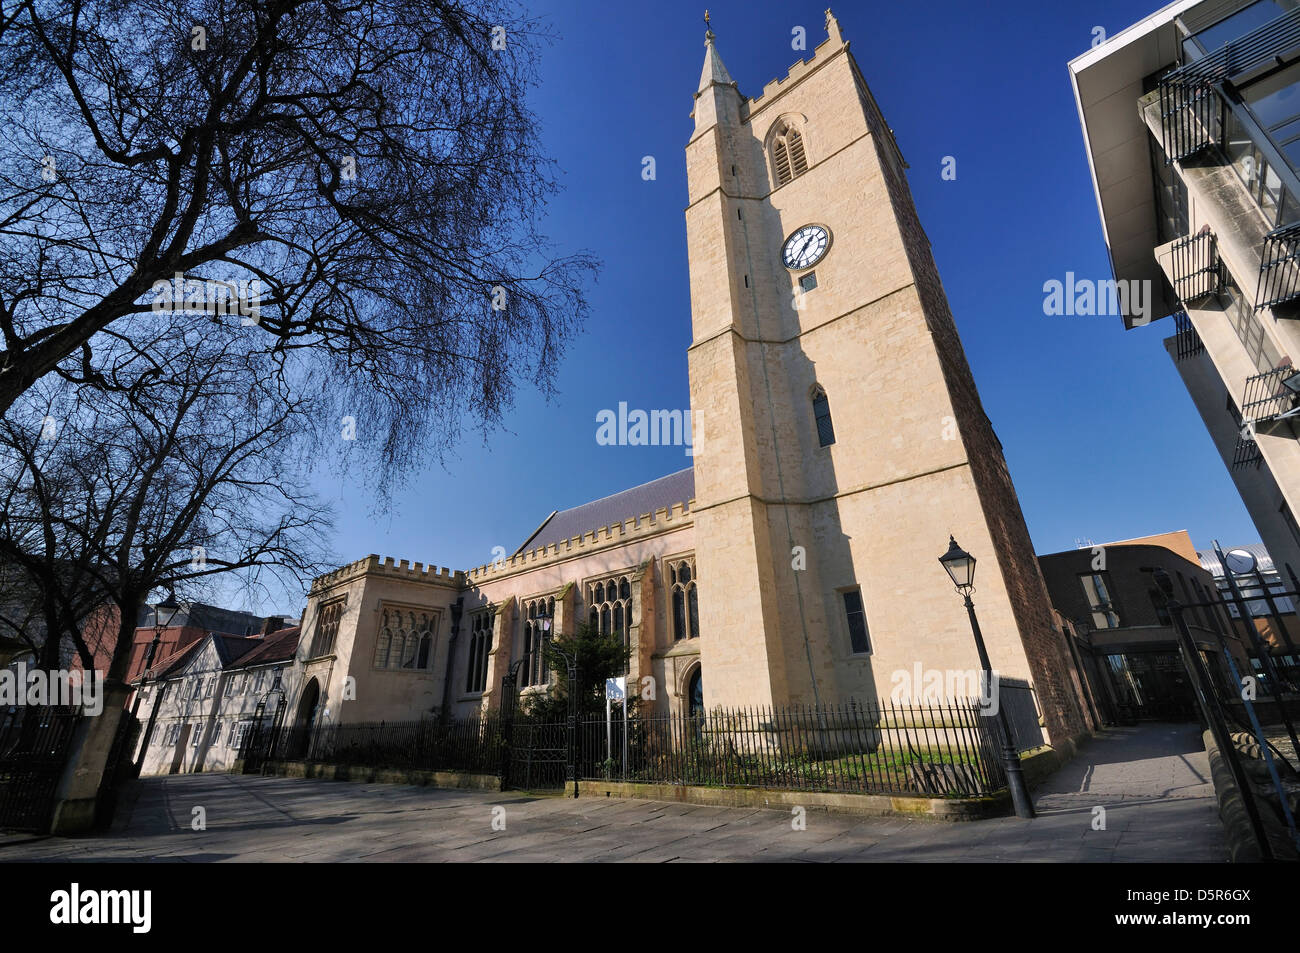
<point>664,492</point>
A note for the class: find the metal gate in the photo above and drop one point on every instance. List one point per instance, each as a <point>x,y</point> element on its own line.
<point>34,746</point>
<point>539,756</point>
<point>536,755</point>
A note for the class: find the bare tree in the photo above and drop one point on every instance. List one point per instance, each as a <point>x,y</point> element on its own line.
<point>371,164</point>
<point>190,467</point>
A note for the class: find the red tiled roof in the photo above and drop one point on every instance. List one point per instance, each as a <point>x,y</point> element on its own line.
<point>279,646</point>
<point>164,667</point>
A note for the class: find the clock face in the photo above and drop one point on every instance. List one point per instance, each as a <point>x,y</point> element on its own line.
<point>805,247</point>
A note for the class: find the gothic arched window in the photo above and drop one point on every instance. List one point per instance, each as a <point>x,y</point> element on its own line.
<point>538,617</point>
<point>685,599</point>
<point>405,640</point>
<point>789,159</point>
<point>480,645</point>
<point>822,414</point>
<point>610,608</point>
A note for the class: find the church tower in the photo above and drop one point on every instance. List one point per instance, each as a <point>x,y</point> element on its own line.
<point>841,438</point>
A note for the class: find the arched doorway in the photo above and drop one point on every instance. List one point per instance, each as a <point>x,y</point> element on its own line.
<point>302,724</point>
<point>695,694</point>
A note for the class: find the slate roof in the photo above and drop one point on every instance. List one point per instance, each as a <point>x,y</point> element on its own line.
<point>666,491</point>
<point>277,647</point>
<point>168,665</point>
<point>202,616</point>
<point>233,652</point>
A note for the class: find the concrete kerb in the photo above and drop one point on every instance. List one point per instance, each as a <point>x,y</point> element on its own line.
<point>865,805</point>
<point>367,775</point>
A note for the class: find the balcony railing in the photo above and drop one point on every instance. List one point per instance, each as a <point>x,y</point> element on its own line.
<point>1196,266</point>
<point>1279,269</point>
<point>1246,453</point>
<point>1191,114</point>
<point>1187,343</point>
<point>1266,398</point>
<point>1190,108</point>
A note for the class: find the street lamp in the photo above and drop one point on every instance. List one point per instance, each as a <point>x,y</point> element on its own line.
<point>171,607</point>
<point>960,566</point>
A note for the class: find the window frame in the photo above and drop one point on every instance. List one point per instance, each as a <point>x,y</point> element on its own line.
<point>536,630</point>
<point>855,590</point>
<point>1108,607</point>
<point>690,597</point>
<point>329,619</point>
<point>424,644</point>
<point>482,627</point>
<point>817,395</point>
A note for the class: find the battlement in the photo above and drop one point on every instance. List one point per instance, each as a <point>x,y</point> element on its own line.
<point>647,524</point>
<point>832,44</point>
<point>387,566</point>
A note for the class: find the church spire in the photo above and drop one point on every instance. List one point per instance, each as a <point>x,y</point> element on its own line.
<point>717,100</point>
<point>833,28</point>
<point>714,71</point>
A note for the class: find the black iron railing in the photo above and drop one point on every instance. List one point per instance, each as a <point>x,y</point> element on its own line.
<point>471,744</point>
<point>942,749</point>
<point>946,749</point>
<point>1191,111</point>
<point>1196,266</point>
<point>34,748</point>
<point>1190,107</point>
<point>1246,452</point>
<point>1187,343</point>
<point>1265,397</point>
<point>1279,268</point>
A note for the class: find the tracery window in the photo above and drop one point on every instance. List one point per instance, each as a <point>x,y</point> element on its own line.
<point>609,609</point>
<point>538,616</point>
<point>480,645</point>
<point>405,640</point>
<point>788,156</point>
<point>685,600</point>
<point>327,627</point>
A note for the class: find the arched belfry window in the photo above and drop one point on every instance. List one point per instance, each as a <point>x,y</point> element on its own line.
<point>789,158</point>
<point>822,414</point>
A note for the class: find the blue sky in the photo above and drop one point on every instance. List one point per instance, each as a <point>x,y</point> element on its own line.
<point>1101,438</point>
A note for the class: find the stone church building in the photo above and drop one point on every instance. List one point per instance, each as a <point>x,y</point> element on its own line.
<point>842,442</point>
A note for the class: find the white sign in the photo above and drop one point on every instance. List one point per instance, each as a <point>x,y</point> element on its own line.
<point>616,688</point>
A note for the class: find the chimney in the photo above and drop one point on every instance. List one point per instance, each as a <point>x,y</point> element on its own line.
<point>272,623</point>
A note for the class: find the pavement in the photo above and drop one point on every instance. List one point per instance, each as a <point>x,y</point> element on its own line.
<point>1151,782</point>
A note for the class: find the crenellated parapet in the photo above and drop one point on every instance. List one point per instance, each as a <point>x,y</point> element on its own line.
<point>647,525</point>
<point>833,43</point>
<point>386,566</point>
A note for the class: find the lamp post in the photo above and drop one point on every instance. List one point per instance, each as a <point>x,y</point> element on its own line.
<point>171,607</point>
<point>960,566</point>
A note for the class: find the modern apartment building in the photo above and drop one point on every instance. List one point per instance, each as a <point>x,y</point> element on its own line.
<point>1191,121</point>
